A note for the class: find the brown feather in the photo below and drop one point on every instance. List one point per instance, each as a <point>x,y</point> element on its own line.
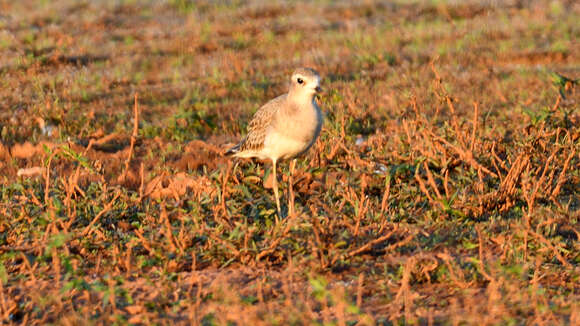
<point>258,126</point>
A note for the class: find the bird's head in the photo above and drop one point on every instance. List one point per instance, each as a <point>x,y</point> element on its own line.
<point>305,82</point>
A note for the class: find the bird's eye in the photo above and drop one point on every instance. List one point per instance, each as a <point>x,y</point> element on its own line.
<point>300,80</point>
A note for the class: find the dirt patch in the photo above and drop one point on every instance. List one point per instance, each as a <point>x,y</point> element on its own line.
<point>176,186</point>
<point>196,155</point>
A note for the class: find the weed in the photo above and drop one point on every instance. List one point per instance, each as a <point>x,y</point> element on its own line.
<point>443,188</point>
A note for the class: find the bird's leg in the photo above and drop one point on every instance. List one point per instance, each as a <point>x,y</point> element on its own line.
<point>237,162</point>
<point>276,188</point>
<point>291,188</point>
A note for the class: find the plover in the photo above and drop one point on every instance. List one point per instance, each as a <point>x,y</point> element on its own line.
<point>285,127</point>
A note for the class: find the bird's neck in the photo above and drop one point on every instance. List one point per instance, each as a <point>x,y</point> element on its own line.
<point>301,98</point>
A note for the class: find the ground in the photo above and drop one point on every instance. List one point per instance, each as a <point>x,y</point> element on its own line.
<point>444,188</point>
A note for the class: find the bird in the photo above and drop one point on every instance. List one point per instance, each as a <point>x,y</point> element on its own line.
<point>285,127</point>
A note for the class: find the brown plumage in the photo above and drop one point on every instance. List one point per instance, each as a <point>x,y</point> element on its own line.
<point>254,140</point>
<point>286,126</point>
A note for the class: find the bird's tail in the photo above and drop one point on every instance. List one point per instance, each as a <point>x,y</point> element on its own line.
<point>233,150</point>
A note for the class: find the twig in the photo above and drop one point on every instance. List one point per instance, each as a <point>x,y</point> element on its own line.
<point>276,242</point>
<point>557,104</point>
<point>532,197</point>
<point>105,209</point>
<point>423,188</point>
<point>474,132</point>
<point>134,135</point>
<point>562,178</point>
<point>168,232</point>
<point>370,244</point>
<point>359,291</point>
<point>481,265</point>
<point>142,185</point>
<point>226,176</point>
<point>386,195</point>
<point>551,246</point>
<point>431,180</point>
<point>454,123</point>
<point>47,176</point>
<point>466,156</point>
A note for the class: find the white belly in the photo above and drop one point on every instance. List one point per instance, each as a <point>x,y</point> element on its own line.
<point>281,146</point>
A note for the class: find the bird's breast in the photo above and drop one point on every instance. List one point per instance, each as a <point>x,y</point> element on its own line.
<point>294,132</point>
<point>301,124</point>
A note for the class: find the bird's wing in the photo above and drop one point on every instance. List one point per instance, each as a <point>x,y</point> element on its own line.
<point>258,127</point>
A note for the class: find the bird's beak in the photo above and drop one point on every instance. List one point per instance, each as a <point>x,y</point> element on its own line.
<point>318,89</point>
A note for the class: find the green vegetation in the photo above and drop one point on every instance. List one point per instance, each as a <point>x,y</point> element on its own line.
<point>444,189</point>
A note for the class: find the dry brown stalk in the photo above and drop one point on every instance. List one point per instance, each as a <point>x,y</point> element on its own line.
<point>508,186</point>
<point>446,183</point>
<point>154,183</point>
<point>56,265</point>
<point>458,134</point>
<point>423,187</point>
<point>33,198</point>
<point>47,177</point>
<point>337,145</point>
<point>456,273</point>
<point>531,198</point>
<point>3,305</point>
<point>286,281</point>
<point>340,308</point>
<point>71,188</point>
<point>359,291</point>
<point>481,259</point>
<point>405,125</point>
<point>333,151</point>
<point>134,136</point>
<point>225,175</point>
<point>278,239</point>
<point>547,222</point>
<point>142,181</point>
<point>386,195</point>
<point>291,188</point>
<point>557,104</point>
<point>226,244</point>
<point>474,132</point>
<point>28,267</point>
<point>547,188</point>
<point>431,180</point>
<point>500,176</point>
<point>319,244</point>
<point>372,243</point>
<point>496,158</point>
<point>88,229</point>
<point>362,209</point>
<point>127,260</point>
<point>554,249</point>
<point>574,316</point>
<point>405,296</point>
<point>112,296</point>
<point>438,79</point>
<point>466,156</point>
<point>144,242</point>
<point>168,229</point>
<point>562,178</point>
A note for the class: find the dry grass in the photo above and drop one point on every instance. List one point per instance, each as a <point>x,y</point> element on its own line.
<point>444,188</point>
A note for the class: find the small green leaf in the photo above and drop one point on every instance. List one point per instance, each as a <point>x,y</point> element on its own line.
<point>3,274</point>
<point>469,245</point>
